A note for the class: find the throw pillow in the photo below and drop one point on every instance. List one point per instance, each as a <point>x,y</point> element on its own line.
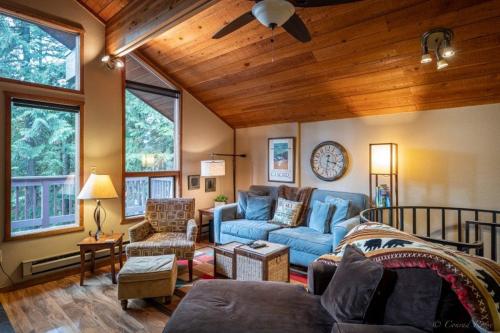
<point>242,201</point>
<point>287,212</point>
<point>258,208</point>
<point>352,287</point>
<point>320,216</point>
<point>415,298</point>
<point>342,208</point>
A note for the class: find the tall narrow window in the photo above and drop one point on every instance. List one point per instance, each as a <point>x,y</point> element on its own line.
<point>36,53</point>
<point>43,166</point>
<point>151,142</point>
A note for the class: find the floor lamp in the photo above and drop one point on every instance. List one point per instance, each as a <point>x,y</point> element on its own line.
<point>217,168</point>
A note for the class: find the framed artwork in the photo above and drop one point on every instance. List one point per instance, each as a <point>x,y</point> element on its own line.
<point>210,184</point>
<point>193,182</point>
<point>281,160</point>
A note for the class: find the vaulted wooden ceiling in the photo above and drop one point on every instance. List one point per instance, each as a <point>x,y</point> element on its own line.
<point>104,9</point>
<point>364,59</point>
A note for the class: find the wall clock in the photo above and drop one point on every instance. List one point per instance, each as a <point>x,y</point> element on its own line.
<point>329,161</point>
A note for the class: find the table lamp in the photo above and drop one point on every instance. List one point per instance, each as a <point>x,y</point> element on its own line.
<point>98,187</point>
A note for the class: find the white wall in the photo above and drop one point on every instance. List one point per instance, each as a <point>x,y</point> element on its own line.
<point>202,133</point>
<point>448,157</point>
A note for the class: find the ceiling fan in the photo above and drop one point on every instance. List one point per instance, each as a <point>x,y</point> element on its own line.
<point>278,13</point>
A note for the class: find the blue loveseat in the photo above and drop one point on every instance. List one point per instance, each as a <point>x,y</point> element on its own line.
<point>306,244</point>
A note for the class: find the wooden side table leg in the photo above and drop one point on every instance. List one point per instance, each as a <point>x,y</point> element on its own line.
<point>120,248</point>
<point>92,256</point>
<point>82,265</point>
<point>112,255</point>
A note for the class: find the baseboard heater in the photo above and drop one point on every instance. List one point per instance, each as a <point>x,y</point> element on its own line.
<point>37,267</point>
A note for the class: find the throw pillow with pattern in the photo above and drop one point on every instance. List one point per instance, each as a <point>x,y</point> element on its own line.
<point>287,213</point>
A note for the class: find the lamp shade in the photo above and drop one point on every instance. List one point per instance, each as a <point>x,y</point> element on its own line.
<point>213,168</point>
<point>381,159</point>
<point>98,187</point>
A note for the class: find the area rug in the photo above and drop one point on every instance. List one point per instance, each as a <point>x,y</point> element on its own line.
<point>203,268</point>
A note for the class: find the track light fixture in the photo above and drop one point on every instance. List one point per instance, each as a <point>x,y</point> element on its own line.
<point>113,62</point>
<point>437,40</point>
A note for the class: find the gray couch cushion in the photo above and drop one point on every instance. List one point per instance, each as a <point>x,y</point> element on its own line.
<point>362,328</point>
<point>249,307</point>
<point>250,229</point>
<point>303,239</point>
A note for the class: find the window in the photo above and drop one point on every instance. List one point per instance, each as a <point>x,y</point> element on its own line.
<point>43,167</point>
<point>151,145</point>
<point>38,54</point>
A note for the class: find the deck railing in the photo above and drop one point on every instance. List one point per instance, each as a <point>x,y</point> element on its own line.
<point>445,225</point>
<point>41,202</point>
<point>138,190</point>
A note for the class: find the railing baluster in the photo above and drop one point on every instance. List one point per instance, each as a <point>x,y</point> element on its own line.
<point>63,204</point>
<point>17,202</point>
<point>428,222</point>
<point>443,223</point>
<point>25,202</point>
<point>476,226</point>
<point>402,219</point>
<point>494,238</point>
<point>414,220</point>
<point>459,212</point>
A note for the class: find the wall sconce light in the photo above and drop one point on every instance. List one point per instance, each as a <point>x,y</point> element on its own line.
<point>113,62</point>
<point>437,40</point>
<point>384,165</point>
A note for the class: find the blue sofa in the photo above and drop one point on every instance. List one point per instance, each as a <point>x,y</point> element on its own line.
<point>306,244</point>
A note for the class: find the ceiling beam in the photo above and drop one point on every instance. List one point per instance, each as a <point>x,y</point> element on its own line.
<point>142,20</point>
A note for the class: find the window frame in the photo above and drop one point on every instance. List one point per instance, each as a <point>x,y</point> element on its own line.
<point>39,18</point>
<point>79,225</point>
<point>176,174</point>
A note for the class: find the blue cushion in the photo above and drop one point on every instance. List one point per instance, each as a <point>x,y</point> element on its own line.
<point>303,239</point>
<point>320,216</point>
<point>341,209</point>
<point>249,229</point>
<point>258,208</point>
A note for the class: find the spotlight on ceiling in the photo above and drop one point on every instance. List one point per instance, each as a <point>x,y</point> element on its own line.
<point>113,62</point>
<point>437,40</point>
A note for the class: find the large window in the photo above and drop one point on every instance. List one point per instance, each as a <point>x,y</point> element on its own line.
<point>43,167</point>
<point>151,145</point>
<point>38,54</point>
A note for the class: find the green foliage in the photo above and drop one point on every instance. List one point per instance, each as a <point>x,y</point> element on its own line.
<point>221,198</point>
<point>149,137</point>
<point>32,53</point>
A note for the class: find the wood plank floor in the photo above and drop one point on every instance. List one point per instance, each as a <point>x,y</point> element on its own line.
<point>64,306</point>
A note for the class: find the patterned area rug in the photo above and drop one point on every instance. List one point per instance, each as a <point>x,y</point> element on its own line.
<point>204,269</point>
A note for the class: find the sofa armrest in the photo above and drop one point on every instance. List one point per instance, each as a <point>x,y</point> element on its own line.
<point>221,214</point>
<point>139,231</point>
<point>365,328</point>
<point>342,228</point>
<point>319,275</point>
<point>192,230</point>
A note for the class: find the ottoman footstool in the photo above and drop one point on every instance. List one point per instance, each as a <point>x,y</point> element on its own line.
<point>147,277</point>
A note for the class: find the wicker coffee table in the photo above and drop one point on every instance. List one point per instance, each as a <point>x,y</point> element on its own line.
<point>224,258</point>
<point>270,263</point>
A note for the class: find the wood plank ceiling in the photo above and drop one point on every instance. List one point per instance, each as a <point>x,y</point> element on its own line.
<point>104,9</point>
<point>364,59</point>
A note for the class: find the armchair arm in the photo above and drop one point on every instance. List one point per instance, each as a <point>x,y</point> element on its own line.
<point>342,228</point>
<point>139,231</point>
<point>192,230</point>
<point>319,275</point>
<point>221,214</point>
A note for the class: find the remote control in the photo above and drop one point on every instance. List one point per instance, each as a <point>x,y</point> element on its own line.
<point>256,245</point>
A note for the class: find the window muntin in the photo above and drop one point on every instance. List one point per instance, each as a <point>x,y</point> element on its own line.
<point>35,53</point>
<point>44,167</point>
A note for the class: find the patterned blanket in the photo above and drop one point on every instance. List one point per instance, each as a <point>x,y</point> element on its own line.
<point>474,279</point>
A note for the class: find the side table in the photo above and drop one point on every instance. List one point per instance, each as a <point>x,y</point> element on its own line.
<point>208,212</point>
<point>104,242</point>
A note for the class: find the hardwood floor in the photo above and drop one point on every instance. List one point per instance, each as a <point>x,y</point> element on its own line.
<point>65,306</point>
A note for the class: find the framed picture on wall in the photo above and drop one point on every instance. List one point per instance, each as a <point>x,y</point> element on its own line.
<point>210,184</point>
<point>193,182</point>
<point>281,160</point>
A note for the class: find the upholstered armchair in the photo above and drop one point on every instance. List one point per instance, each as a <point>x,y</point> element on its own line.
<point>168,228</point>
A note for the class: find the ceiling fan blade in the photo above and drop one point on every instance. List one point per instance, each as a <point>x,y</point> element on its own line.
<point>319,3</point>
<point>235,25</point>
<point>296,27</point>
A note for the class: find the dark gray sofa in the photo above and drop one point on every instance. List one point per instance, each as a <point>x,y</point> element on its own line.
<point>227,306</point>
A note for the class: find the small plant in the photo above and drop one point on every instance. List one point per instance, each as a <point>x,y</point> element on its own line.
<point>221,198</point>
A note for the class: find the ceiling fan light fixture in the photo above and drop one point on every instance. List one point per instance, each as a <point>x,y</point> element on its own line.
<point>441,64</point>
<point>426,58</point>
<point>273,13</point>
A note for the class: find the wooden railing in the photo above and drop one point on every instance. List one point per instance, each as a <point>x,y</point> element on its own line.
<point>138,191</point>
<point>42,202</point>
<point>445,225</point>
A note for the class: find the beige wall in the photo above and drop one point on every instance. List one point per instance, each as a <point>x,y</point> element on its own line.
<point>447,157</point>
<point>253,142</point>
<point>202,133</point>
